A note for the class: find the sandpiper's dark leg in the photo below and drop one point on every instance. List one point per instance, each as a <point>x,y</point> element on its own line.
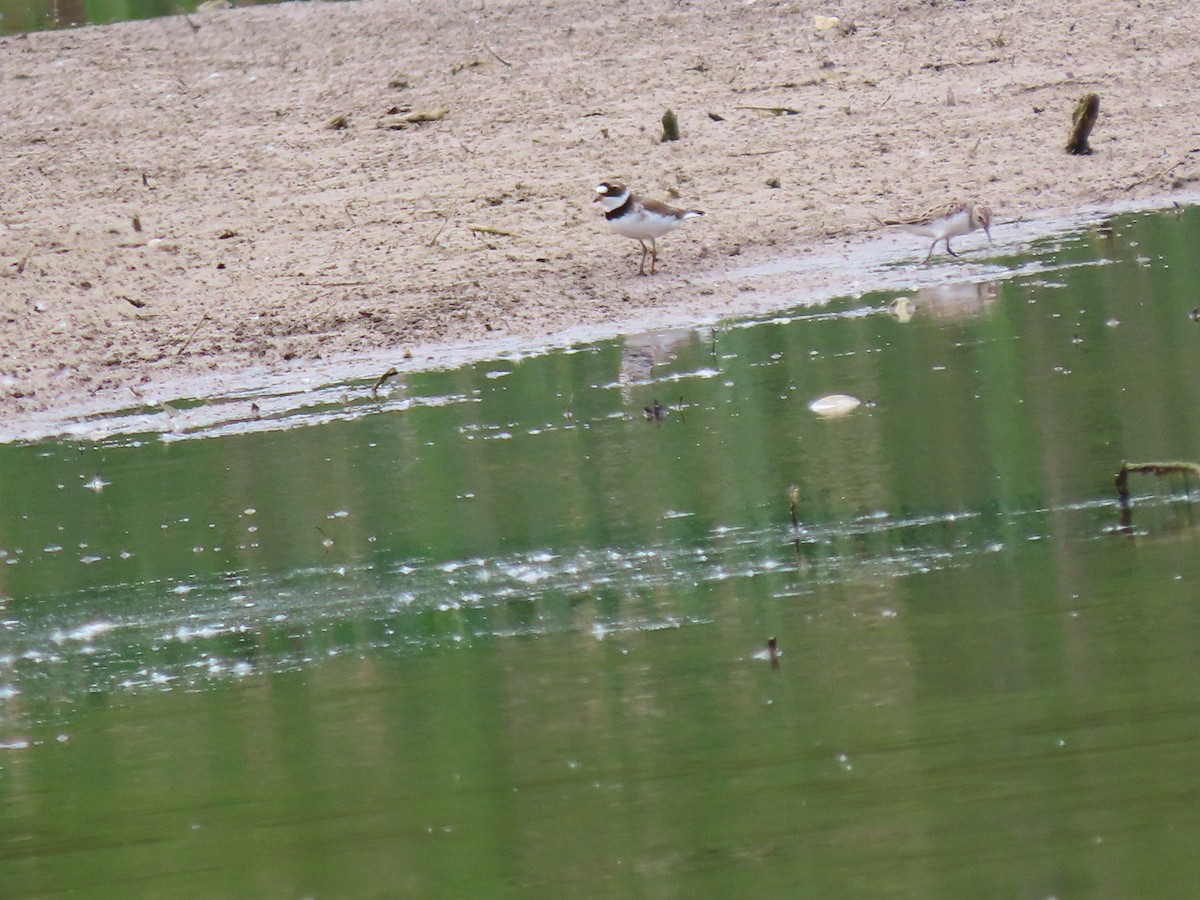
<point>929,255</point>
<point>653,255</point>
<point>948,250</point>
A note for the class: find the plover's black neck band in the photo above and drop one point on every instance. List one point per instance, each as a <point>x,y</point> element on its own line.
<point>620,210</point>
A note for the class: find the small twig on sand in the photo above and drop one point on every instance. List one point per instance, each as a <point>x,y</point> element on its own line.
<point>1047,84</point>
<point>960,63</point>
<point>203,319</point>
<point>24,259</point>
<point>774,110</point>
<point>445,222</point>
<point>761,152</point>
<point>1159,174</point>
<point>499,58</point>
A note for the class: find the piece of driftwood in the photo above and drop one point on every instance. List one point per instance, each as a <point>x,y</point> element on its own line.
<point>415,117</point>
<point>1151,468</point>
<point>1082,122</point>
<point>390,373</point>
<point>772,653</point>
<point>670,127</point>
<point>488,229</point>
<point>793,496</point>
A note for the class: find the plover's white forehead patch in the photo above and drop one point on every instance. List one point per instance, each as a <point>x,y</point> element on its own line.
<point>602,189</point>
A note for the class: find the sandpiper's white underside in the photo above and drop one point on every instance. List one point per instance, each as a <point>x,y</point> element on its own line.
<point>948,221</point>
<point>940,229</point>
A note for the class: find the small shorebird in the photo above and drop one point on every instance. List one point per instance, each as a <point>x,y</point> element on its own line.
<point>947,221</point>
<point>640,219</point>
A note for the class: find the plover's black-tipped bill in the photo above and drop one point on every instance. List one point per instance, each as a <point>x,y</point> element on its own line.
<point>611,189</point>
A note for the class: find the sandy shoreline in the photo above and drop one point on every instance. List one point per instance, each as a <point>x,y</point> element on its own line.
<point>271,240</point>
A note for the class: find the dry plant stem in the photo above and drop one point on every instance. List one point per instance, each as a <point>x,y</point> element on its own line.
<point>24,259</point>
<point>497,56</point>
<point>203,319</point>
<point>445,221</point>
<point>1161,172</point>
<point>774,110</point>
<point>764,152</point>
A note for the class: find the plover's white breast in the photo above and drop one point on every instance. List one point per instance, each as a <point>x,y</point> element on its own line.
<point>644,224</point>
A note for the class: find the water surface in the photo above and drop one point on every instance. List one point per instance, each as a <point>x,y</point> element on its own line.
<point>496,632</point>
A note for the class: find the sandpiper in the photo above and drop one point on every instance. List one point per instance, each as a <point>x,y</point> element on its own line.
<point>640,219</point>
<point>947,221</point>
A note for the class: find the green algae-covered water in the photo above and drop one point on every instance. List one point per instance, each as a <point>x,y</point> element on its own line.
<point>499,633</point>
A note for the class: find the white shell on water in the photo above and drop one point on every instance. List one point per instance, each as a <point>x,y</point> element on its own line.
<point>834,405</point>
<point>902,309</point>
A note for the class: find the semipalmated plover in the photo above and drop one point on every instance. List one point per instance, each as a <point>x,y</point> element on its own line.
<point>948,221</point>
<point>640,219</point>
